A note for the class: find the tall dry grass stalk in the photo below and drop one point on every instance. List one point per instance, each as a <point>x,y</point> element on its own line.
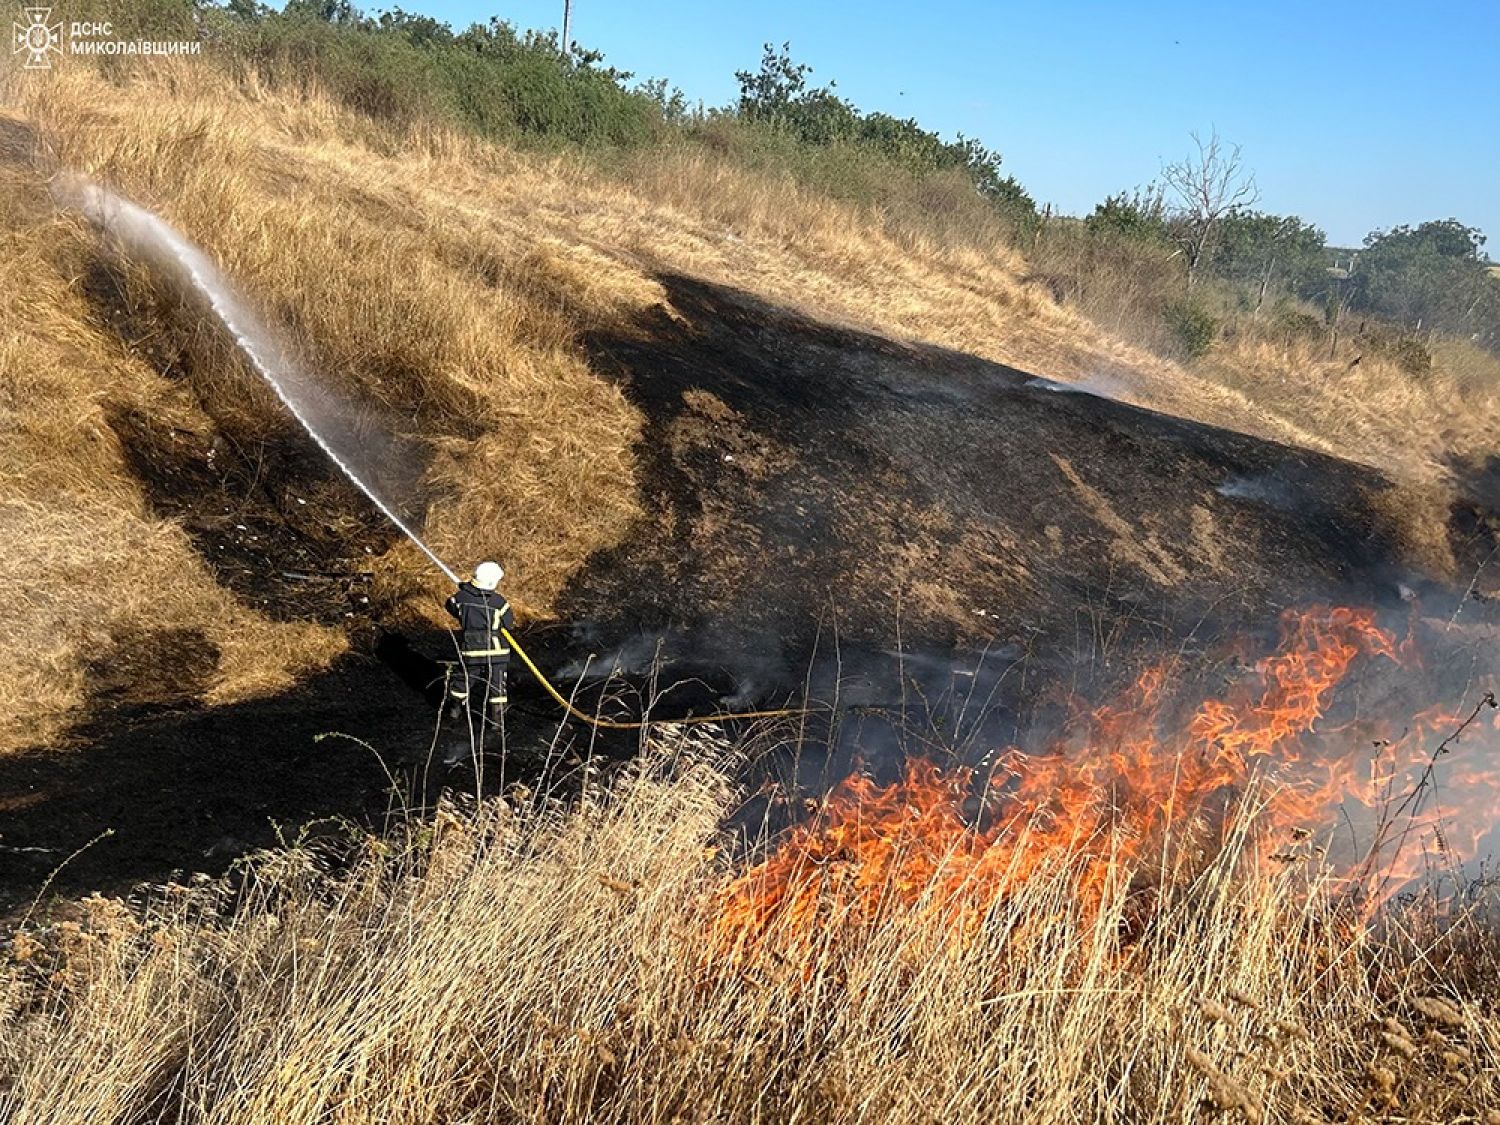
<point>518,961</point>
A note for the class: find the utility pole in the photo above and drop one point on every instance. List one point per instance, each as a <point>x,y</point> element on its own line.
<point>567,26</point>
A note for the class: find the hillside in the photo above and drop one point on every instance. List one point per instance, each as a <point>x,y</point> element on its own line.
<point>464,293</point>
<point>704,416</point>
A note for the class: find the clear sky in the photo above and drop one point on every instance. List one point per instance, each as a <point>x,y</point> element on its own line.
<point>1355,116</point>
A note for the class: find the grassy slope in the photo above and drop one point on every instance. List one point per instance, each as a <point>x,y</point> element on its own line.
<point>449,281</point>
<point>523,968</point>
<point>430,316</point>
<point>81,554</point>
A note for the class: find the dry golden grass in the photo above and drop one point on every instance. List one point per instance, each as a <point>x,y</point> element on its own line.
<point>689,211</point>
<point>1348,401</point>
<point>84,561</point>
<point>531,963</point>
<point>427,320</point>
<point>1449,413</point>
<point>519,962</point>
<point>425,315</point>
<point>592,237</point>
<point>1474,372</point>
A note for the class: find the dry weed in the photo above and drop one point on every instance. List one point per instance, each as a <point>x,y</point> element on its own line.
<point>520,961</point>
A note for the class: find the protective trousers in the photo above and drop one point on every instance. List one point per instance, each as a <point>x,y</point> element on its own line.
<point>480,681</point>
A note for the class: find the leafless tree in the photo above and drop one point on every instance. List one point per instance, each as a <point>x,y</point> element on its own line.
<point>1209,185</point>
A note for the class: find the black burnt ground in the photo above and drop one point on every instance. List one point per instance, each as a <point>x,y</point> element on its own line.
<point>794,471</point>
<point>151,789</point>
<point>273,519</point>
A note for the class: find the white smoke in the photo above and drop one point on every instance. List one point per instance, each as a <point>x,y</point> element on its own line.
<point>1096,385</point>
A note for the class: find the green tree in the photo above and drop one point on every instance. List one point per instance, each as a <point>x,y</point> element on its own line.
<point>1266,253</point>
<point>670,100</point>
<point>422,31</point>
<point>326,11</point>
<point>1140,214</point>
<point>1432,276</point>
<point>779,96</point>
<point>768,94</point>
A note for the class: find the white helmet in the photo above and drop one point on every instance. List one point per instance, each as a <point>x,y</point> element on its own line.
<point>487,575</point>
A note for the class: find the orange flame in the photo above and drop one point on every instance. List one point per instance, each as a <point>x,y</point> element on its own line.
<point>1117,794</point>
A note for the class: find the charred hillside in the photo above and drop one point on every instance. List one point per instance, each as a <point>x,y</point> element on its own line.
<point>745,485</point>
<point>805,487</point>
<point>798,473</point>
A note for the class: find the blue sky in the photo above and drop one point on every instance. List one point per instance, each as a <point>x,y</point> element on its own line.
<point>1355,116</point>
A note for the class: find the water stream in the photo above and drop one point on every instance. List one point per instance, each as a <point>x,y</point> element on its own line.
<point>146,236</point>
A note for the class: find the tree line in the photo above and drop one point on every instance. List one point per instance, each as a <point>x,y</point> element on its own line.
<point>1432,277</point>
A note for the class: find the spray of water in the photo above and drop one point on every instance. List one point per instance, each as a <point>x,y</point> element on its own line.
<point>143,235</point>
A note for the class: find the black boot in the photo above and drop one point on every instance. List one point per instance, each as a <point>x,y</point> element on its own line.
<point>458,752</point>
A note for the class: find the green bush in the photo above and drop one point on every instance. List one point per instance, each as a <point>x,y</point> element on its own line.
<point>520,88</point>
<point>1193,327</point>
<point>1411,355</point>
<point>401,68</point>
<point>778,99</point>
<point>146,19</point>
<point>1296,323</point>
<point>1138,215</point>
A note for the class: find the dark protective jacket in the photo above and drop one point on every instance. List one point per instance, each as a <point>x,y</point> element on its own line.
<point>481,615</point>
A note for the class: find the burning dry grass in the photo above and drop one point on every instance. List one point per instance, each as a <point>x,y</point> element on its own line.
<point>1142,933</point>
<point>521,962</point>
<point>1132,781</point>
<point>527,962</point>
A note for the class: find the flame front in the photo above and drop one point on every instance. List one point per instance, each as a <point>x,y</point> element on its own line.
<point>1124,794</point>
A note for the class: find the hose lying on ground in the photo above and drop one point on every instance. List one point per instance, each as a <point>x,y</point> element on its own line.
<point>611,724</point>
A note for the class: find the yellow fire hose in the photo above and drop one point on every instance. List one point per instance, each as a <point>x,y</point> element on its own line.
<point>610,724</point>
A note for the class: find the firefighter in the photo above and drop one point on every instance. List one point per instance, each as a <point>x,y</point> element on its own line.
<point>483,651</point>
